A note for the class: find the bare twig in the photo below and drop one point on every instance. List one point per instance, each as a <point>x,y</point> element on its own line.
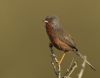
<point>57,66</point>
<point>71,70</point>
<point>81,56</point>
<point>83,68</point>
<point>54,67</point>
<point>54,58</point>
<point>59,70</point>
<point>68,70</point>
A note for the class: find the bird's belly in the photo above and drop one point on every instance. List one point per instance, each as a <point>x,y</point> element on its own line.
<point>61,45</point>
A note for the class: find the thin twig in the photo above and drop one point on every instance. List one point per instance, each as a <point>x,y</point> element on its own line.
<point>71,70</point>
<point>68,70</point>
<point>83,68</point>
<point>57,66</point>
<point>81,56</point>
<point>54,58</point>
<point>54,67</point>
<point>59,71</point>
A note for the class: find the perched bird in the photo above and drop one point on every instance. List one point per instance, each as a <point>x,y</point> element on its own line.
<point>59,39</point>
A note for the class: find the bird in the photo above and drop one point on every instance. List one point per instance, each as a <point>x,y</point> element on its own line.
<point>60,39</point>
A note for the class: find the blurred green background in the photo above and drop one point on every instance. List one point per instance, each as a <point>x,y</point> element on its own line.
<point>24,51</point>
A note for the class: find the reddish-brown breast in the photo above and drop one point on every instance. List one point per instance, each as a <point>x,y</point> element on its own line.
<point>55,40</point>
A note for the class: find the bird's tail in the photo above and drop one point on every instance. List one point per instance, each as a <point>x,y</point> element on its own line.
<point>81,56</point>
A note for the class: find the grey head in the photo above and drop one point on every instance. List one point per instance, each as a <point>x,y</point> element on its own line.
<point>53,21</point>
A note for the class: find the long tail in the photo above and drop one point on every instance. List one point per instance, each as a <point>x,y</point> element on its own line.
<point>81,56</point>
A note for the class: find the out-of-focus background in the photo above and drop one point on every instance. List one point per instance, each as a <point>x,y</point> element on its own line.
<point>24,51</point>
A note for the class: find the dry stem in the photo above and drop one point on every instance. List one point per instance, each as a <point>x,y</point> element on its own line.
<point>57,67</point>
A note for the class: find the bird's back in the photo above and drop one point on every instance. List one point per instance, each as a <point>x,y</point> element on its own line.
<point>66,38</point>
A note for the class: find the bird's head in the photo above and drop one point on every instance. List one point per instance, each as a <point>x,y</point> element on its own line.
<point>52,21</point>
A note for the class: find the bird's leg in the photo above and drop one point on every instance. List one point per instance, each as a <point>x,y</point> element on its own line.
<point>62,58</point>
<point>50,45</point>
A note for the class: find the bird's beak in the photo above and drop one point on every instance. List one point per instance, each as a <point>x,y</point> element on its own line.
<point>45,21</point>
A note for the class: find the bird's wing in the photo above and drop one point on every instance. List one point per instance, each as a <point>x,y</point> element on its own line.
<point>66,38</point>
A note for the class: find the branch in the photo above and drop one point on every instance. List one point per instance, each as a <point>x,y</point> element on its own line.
<point>71,69</point>
<point>83,68</point>
<point>55,64</point>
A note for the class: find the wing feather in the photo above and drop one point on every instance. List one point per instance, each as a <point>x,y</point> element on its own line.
<point>66,38</point>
